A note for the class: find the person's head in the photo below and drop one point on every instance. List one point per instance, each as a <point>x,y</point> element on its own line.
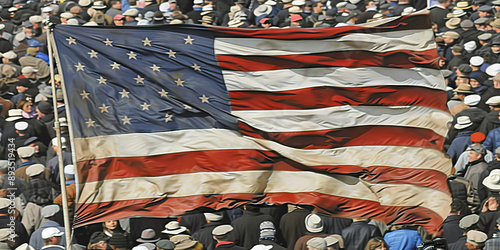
<point>98,240</point>
<point>316,243</point>
<point>492,204</point>
<point>377,243</point>
<point>476,239</point>
<point>221,233</point>
<point>317,7</point>
<point>119,20</point>
<point>25,105</point>
<point>265,23</point>
<point>52,236</point>
<point>110,225</point>
<point>457,206</point>
<point>477,152</point>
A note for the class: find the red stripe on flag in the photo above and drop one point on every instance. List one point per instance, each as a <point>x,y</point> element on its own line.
<point>353,136</point>
<point>353,59</point>
<point>320,97</point>
<point>403,23</point>
<point>246,160</point>
<point>337,206</point>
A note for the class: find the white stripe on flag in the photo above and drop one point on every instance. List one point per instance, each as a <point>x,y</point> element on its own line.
<point>138,145</point>
<point>412,40</point>
<point>262,182</point>
<point>344,117</point>
<point>292,79</point>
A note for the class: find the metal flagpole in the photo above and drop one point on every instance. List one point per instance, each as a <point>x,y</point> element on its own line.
<point>67,227</point>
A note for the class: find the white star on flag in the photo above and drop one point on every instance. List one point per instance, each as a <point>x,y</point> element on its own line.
<point>139,79</point>
<point>203,99</point>
<point>92,54</point>
<point>163,93</point>
<point>124,93</point>
<point>155,68</point>
<point>108,42</point>
<point>188,40</point>
<point>71,40</point>
<point>145,106</point>
<point>115,65</point>
<point>179,82</point>
<point>102,80</point>
<point>132,55</point>
<point>104,108</point>
<point>126,120</point>
<point>171,54</point>
<point>90,123</point>
<point>79,67</point>
<point>146,42</point>
<point>85,95</point>
<point>168,117</point>
<point>196,67</point>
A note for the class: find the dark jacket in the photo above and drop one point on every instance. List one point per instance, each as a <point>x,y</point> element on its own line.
<point>247,228</point>
<point>358,234</point>
<point>204,235</point>
<point>459,244</point>
<point>489,123</point>
<point>293,226</point>
<point>451,230</point>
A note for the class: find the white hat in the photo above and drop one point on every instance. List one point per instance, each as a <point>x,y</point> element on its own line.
<point>5,234</point>
<point>459,13</point>
<point>270,2</point>
<point>493,69</point>
<point>72,21</point>
<point>35,169</point>
<point>262,10</point>
<point>49,210</point>
<point>4,202</point>
<point>131,12</point>
<point>14,114</point>
<point>50,232</point>
<point>55,143</point>
<point>36,19</point>
<point>317,243</point>
<point>10,55</point>
<point>330,241</point>
<point>476,238</point>
<point>28,70</point>
<point>408,10</point>
<point>472,100</point>
<point>164,7</point>
<point>314,223</point>
<point>25,152</point>
<point>69,170</point>
<point>173,227</point>
<point>66,15</point>
<point>463,122</point>
<point>470,46</point>
<point>47,10</point>
<point>25,246</point>
<point>298,2</point>
<point>493,180</point>
<point>222,230</point>
<point>493,101</point>
<point>476,61</point>
<point>213,216</point>
<point>21,126</point>
<point>197,2</point>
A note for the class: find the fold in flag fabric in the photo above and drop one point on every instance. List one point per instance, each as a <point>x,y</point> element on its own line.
<point>167,119</point>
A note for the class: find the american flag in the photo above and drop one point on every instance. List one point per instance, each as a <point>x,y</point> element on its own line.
<point>170,118</point>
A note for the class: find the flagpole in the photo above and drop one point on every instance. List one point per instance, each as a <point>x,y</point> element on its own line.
<point>57,127</point>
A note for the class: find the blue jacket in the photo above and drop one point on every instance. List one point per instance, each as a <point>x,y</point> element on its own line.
<point>459,145</point>
<point>492,141</point>
<point>403,239</point>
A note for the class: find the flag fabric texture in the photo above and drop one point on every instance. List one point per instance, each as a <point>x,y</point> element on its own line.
<point>166,119</point>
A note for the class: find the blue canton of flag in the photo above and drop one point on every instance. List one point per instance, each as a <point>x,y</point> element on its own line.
<point>145,81</point>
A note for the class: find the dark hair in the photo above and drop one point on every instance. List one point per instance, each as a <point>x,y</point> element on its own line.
<point>457,205</point>
<point>376,242</point>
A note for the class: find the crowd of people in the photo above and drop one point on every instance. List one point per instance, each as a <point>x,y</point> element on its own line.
<point>30,205</point>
